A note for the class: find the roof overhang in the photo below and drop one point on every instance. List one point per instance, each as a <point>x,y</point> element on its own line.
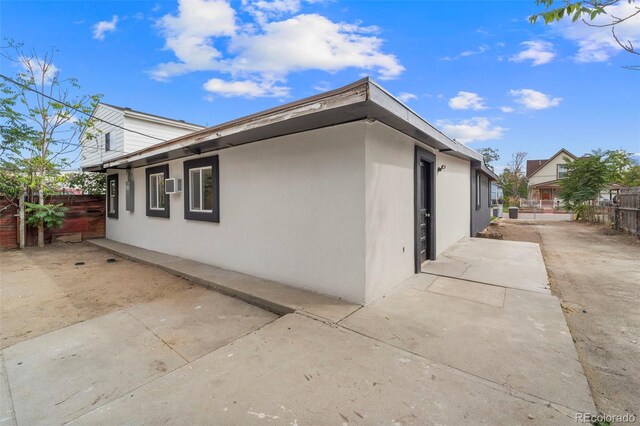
<point>362,100</point>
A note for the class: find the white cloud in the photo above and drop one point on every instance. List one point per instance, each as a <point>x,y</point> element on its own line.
<point>406,97</point>
<point>103,27</point>
<point>538,52</point>
<point>596,44</point>
<point>189,36</point>
<point>246,89</point>
<point>33,67</point>
<point>481,49</point>
<point>532,99</point>
<point>208,35</point>
<point>264,10</point>
<point>474,129</point>
<point>467,100</point>
<point>506,109</point>
<point>306,42</point>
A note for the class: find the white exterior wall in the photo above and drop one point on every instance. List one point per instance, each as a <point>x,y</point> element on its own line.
<point>390,159</point>
<point>93,152</point>
<point>548,172</point>
<point>453,201</point>
<point>165,131</point>
<point>291,210</point>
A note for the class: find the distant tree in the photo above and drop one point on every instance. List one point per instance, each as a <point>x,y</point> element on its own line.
<point>587,176</point>
<point>88,183</point>
<point>490,155</point>
<point>588,11</point>
<point>632,177</point>
<point>512,179</point>
<point>40,120</point>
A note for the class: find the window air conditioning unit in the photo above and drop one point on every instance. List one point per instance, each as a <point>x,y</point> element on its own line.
<point>173,186</point>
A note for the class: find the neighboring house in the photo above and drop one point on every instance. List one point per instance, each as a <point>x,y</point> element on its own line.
<point>544,176</point>
<point>345,193</point>
<point>110,140</point>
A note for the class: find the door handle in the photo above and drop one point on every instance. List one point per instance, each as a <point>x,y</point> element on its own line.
<point>427,215</point>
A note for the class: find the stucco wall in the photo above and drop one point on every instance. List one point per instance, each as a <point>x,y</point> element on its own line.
<point>453,203</point>
<point>389,209</point>
<point>390,206</point>
<point>547,173</point>
<point>480,218</point>
<point>291,210</point>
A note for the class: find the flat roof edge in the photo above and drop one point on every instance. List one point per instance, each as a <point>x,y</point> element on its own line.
<point>358,96</point>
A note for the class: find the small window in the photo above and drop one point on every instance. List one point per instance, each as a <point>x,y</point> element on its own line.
<point>107,142</point>
<point>157,198</point>
<point>201,184</point>
<point>202,189</point>
<point>478,191</point>
<point>562,171</point>
<point>112,196</point>
<point>156,186</point>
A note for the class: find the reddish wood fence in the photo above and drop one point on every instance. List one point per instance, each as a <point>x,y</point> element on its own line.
<point>86,215</point>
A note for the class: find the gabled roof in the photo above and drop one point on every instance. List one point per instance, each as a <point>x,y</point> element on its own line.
<point>534,165</point>
<point>361,100</point>
<point>152,117</point>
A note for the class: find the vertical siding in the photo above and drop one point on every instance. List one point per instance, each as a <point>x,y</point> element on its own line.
<point>92,152</point>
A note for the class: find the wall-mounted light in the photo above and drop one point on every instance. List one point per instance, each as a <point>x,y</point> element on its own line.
<point>441,168</point>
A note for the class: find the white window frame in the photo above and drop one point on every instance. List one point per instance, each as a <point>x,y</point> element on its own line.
<point>558,172</point>
<point>156,188</point>
<point>113,188</point>
<point>201,186</point>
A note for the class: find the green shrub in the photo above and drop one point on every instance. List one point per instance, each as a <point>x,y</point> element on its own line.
<point>51,215</point>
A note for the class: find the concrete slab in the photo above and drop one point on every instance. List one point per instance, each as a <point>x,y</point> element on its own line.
<point>524,345</point>
<point>7,415</point>
<point>197,321</point>
<point>59,376</point>
<point>511,264</point>
<point>297,370</point>
<point>270,295</point>
<point>480,293</point>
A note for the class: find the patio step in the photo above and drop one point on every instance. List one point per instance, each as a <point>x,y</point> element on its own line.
<point>273,296</point>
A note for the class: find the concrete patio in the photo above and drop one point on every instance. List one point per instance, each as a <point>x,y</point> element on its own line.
<point>443,348</point>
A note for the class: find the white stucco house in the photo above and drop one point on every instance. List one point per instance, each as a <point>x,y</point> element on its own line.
<point>345,193</point>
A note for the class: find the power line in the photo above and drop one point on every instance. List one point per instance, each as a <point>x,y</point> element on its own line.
<point>76,109</point>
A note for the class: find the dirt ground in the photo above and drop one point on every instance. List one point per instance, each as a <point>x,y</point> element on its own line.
<point>596,274</point>
<point>42,290</point>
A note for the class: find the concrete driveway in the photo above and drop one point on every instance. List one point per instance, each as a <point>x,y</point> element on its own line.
<point>438,350</point>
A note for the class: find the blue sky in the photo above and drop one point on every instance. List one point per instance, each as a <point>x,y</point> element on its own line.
<point>475,69</point>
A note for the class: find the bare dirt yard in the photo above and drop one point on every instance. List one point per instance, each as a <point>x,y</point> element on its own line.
<point>596,274</point>
<point>57,286</point>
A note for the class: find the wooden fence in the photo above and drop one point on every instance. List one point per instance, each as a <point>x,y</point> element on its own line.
<point>86,215</point>
<point>626,214</point>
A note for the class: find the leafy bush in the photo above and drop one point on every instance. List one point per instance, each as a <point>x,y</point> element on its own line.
<point>51,215</point>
